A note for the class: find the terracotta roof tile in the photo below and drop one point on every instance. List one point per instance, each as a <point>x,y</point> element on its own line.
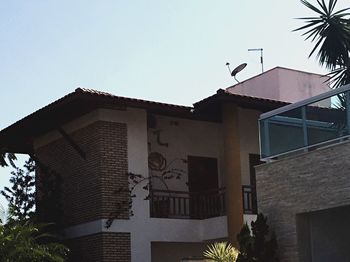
<point>222,92</point>
<point>105,94</point>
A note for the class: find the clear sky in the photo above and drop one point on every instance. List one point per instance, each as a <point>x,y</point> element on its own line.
<point>171,51</point>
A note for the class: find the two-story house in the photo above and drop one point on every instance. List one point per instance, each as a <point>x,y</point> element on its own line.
<point>199,160</point>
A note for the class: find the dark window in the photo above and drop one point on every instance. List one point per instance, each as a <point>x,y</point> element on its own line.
<point>202,173</point>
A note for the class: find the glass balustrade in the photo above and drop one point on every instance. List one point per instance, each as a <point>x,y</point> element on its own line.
<point>306,125</point>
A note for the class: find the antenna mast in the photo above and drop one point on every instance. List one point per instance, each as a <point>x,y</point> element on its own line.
<point>261,56</point>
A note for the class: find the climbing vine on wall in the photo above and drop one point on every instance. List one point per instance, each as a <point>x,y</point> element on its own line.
<point>161,170</point>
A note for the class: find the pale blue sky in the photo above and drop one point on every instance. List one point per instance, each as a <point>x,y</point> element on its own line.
<point>171,51</point>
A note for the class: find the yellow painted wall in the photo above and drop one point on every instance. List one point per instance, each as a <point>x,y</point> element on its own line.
<point>249,139</point>
<point>232,170</point>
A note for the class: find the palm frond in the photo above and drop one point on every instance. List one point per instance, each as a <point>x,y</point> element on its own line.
<point>307,4</point>
<point>330,31</point>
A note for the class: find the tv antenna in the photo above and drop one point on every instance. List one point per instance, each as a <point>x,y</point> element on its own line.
<point>261,56</point>
<point>235,71</point>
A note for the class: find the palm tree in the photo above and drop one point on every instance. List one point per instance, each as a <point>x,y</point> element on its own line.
<point>330,30</point>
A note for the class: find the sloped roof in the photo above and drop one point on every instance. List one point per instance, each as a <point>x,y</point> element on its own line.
<point>19,136</point>
<point>246,101</point>
<point>127,101</point>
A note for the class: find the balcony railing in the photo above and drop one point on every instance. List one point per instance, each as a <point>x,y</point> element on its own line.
<point>189,205</point>
<point>249,200</point>
<point>318,121</point>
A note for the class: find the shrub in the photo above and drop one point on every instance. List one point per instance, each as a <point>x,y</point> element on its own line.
<point>258,245</point>
<point>221,252</point>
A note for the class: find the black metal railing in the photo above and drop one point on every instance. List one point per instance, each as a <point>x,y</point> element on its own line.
<point>249,200</point>
<point>188,205</point>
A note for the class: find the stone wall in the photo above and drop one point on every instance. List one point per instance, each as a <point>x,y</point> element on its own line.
<point>307,182</point>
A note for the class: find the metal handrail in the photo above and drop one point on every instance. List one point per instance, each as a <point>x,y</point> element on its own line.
<point>188,192</point>
<point>189,205</point>
<point>249,199</point>
<point>306,140</point>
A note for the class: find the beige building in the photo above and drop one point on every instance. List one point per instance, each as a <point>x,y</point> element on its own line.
<point>199,161</point>
<point>282,84</point>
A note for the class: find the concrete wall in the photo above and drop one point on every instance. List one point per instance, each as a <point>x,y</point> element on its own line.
<point>282,84</point>
<point>184,138</point>
<point>308,182</point>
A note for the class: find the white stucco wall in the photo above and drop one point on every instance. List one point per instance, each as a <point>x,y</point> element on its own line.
<point>248,219</point>
<point>185,138</point>
<point>282,84</point>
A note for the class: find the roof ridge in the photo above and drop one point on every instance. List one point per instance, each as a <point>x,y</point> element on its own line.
<point>89,91</point>
<point>92,91</point>
<point>221,92</point>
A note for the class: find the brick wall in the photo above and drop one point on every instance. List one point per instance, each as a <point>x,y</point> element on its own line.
<point>106,247</point>
<point>308,182</point>
<point>89,185</point>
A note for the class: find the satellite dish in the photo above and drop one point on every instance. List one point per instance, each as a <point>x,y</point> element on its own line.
<point>238,69</point>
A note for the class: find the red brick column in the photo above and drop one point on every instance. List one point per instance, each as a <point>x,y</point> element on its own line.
<point>106,247</point>
<point>91,186</point>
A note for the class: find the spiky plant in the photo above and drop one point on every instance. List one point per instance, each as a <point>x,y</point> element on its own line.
<point>330,30</point>
<point>221,252</point>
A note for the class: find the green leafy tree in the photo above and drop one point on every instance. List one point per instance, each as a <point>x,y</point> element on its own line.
<point>257,245</point>
<point>21,194</point>
<point>221,252</point>
<point>48,197</point>
<point>21,238</point>
<point>23,242</point>
<point>10,157</point>
<point>330,31</point>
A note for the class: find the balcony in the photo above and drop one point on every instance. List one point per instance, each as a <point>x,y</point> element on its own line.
<point>316,122</point>
<point>197,205</point>
<point>187,205</point>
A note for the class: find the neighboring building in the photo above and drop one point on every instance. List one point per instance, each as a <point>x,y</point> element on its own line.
<point>93,139</point>
<point>282,84</point>
<point>304,188</point>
